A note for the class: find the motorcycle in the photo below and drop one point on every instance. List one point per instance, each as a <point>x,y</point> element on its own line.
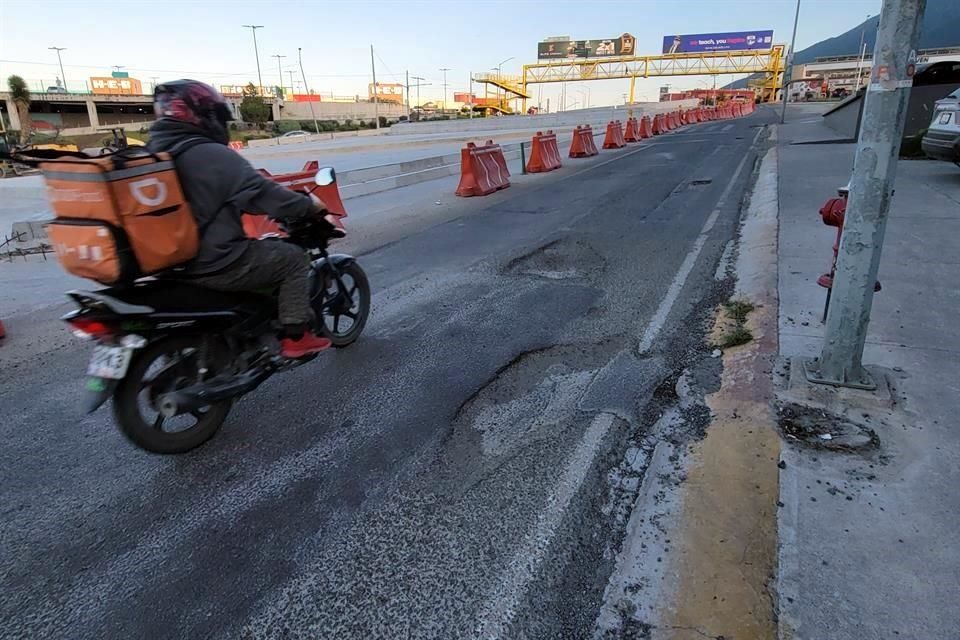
<point>175,357</point>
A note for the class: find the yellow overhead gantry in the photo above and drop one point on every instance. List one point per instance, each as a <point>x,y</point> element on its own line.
<point>768,62</point>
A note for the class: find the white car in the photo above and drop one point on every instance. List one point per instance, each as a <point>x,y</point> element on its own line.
<point>942,140</point>
<point>295,134</point>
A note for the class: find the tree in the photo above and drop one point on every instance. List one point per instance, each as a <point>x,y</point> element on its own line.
<point>253,108</point>
<point>20,95</point>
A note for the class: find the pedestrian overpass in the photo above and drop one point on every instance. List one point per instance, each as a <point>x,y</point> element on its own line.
<point>770,63</point>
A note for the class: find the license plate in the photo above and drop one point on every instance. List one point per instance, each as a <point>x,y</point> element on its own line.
<point>109,362</point>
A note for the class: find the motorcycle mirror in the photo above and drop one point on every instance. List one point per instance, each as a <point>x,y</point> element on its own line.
<point>325,177</point>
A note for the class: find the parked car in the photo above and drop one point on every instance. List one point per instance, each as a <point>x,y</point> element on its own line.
<point>295,134</point>
<point>942,140</point>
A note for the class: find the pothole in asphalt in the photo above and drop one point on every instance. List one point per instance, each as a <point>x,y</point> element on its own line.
<point>531,397</point>
<point>564,259</point>
<point>821,429</point>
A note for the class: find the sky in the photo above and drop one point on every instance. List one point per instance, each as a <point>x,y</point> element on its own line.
<point>206,40</point>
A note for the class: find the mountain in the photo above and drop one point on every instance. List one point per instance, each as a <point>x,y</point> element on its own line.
<point>940,28</point>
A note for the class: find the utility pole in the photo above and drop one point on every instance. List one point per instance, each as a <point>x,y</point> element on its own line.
<point>406,86</point>
<point>444,107</point>
<point>471,96</point>
<point>419,104</point>
<point>868,203</point>
<point>63,76</point>
<point>279,71</point>
<point>306,87</point>
<point>292,87</point>
<point>789,69</point>
<point>256,52</point>
<point>117,67</point>
<point>153,83</point>
<point>376,103</point>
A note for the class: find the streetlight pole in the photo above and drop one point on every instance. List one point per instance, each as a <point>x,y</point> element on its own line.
<point>499,74</point>
<point>306,87</point>
<point>256,52</point>
<point>292,88</point>
<point>280,71</point>
<point>63,76</point>
<point>868,202</point>
<point>863,54</point>
<point>444,70</point>
<point>793,43</point>
<point>376,102</point>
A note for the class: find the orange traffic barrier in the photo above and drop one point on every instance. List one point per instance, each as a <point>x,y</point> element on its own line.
<point>614,138</point>
<point>632,133</point>
<point>500,159</point>
<point>582,144</point>
<point>3,331</point>
<point>544,154</point>
<point>692,116</point>
<point>646,129</point>
<point>671,121</point>
<point>256,226</point>
<point>483,170</point>
<point>657,128</point>
<point>236,145</point>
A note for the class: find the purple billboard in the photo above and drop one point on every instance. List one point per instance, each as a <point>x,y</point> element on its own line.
<point>705,42</point>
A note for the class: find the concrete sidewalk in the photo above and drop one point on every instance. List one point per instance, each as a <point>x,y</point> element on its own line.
<point>869,537</point>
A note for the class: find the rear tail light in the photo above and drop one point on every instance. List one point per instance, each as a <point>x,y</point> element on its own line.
<point>90,329</point>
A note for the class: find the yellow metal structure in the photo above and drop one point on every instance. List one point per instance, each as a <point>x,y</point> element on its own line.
<point>768,62</point>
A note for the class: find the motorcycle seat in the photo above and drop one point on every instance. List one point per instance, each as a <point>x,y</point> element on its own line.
<point>170,296</point>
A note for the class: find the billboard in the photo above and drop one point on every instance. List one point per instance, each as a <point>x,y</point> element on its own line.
<point>557,49</point>
<point>705,42</point>
<point>116,86</point>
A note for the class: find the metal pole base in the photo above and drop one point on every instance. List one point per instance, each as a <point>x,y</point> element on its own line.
<point>862,379</point>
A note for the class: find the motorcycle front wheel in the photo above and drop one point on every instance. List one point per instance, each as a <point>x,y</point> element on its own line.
<point>342,311</point>
<point>164,366</point>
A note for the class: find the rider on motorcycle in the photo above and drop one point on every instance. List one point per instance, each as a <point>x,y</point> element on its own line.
<point>220,186</point>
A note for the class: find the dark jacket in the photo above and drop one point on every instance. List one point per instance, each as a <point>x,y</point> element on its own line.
<point>220,185</point>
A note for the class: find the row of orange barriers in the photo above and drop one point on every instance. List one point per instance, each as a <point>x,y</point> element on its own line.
<point>483,169</point>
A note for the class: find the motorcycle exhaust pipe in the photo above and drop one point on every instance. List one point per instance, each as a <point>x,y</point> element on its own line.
<point>197,396</point>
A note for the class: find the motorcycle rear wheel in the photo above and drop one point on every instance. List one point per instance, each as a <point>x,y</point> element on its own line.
<point>177,368</point>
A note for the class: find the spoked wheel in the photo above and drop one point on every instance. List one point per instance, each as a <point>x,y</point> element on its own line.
<point>343,305</point>
<point>163,367</point>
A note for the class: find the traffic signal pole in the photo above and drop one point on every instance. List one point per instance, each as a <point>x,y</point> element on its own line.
<point>871,187</point>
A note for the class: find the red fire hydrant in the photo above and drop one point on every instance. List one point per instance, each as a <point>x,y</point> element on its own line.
<point>833,213</point>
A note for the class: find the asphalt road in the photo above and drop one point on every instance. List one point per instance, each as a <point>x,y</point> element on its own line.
<point>445,477</point>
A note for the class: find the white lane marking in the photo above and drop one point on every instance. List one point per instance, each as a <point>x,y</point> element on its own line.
<point>726,127</point>
<point>500,608</point>
<point>660,317</point>
<point>501,603</point>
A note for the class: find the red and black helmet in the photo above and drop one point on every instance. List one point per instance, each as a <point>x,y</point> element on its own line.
<point>195,103</point>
